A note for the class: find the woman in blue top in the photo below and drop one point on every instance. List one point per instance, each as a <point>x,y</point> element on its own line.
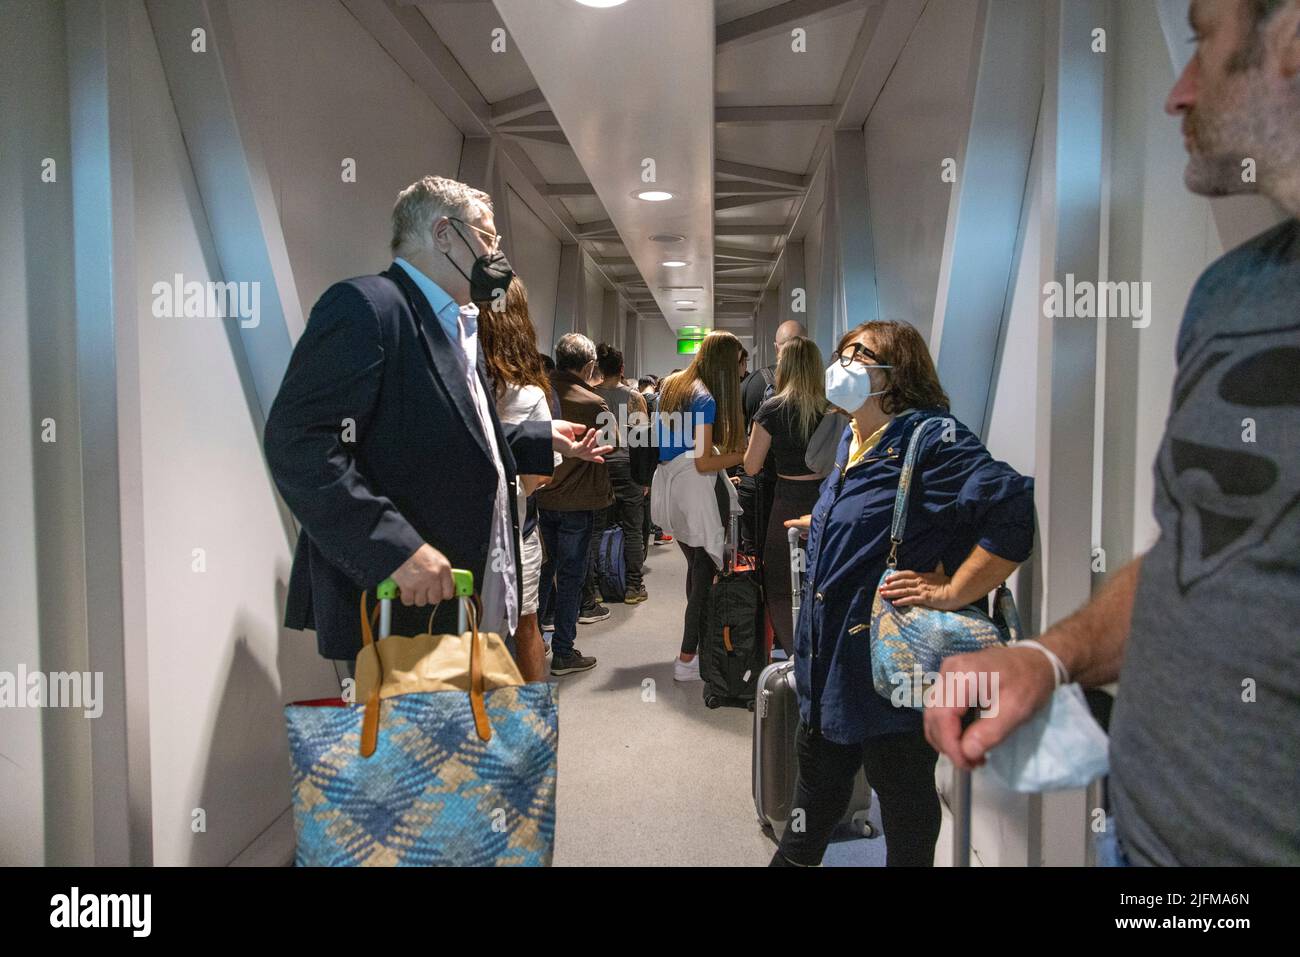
<point>699,422</point>
<point>966,513</point>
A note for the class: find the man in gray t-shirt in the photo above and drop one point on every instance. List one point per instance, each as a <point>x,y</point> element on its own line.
<point>1205,736</point>
<point>627,410</point>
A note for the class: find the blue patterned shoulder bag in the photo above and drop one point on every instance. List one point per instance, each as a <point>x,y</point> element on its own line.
<point>908,643</point>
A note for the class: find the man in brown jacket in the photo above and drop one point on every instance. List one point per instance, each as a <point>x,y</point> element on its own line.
<point>566,507</point>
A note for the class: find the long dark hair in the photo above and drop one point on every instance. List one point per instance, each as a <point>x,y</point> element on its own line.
<point>510,343</point>
<point>913,382</point>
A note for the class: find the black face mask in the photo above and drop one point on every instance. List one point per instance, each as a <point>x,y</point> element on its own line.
<point>490,275</point>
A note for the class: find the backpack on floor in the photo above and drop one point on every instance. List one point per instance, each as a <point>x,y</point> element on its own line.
<point>611,569</point>
<point>734,650</point>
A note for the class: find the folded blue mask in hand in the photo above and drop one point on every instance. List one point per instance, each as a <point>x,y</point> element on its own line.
<point>1060,747</point>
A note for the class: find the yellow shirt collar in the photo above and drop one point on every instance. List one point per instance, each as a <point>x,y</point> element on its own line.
<point>859,447</point>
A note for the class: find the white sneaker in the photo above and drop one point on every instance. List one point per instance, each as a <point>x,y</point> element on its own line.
<point>686,670</point>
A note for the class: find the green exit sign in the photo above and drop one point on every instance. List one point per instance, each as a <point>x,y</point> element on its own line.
<point>689,339</point>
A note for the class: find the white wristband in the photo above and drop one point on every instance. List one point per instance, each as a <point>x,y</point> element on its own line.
<point>1058,667</point>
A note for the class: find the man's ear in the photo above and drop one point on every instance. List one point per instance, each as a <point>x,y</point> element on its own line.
<point>441,229</point>
<point>1286,30</point>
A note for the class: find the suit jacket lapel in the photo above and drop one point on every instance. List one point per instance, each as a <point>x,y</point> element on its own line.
<point>445,355</point>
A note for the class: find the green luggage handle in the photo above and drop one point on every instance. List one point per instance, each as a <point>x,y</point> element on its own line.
<point>463,580</point>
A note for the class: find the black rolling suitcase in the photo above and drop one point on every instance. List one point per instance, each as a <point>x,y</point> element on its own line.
<point>734,649</point>
<point>776,719</point>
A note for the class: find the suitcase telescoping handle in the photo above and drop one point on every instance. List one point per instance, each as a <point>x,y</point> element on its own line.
<point>388,590</point>
<point>796,560</point>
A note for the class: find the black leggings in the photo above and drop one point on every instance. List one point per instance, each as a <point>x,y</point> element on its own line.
<point>699,576</point>
<point>699,581</point>
<point>900,769</point>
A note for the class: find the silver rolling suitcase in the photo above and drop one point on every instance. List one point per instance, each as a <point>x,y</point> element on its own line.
<point>776,718</point>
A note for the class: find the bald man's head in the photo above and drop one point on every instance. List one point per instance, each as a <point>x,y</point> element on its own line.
<point>787,331</point>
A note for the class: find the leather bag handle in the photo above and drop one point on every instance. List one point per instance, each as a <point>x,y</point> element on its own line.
<point>478,703</point>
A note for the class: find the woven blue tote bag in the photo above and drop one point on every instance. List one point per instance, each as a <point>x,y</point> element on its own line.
<point>451,760</point>
<point>910,642</point>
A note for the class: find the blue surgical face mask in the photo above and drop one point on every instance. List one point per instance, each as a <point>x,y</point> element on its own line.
<point>849,388</point>
<point>1060,747</point>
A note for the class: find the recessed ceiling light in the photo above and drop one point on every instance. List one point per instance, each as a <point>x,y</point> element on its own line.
<point>653,195</point>
<point>683,302</point>
<point>674,263</point>
<point>602,3</point>
<point>666,238</point>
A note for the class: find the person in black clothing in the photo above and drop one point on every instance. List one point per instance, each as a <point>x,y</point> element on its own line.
<point>779,436</point>
<point>630,466</point>
<point>756,491</point>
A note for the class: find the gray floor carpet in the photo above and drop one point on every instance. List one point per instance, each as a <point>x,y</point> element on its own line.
<point>647,774</point>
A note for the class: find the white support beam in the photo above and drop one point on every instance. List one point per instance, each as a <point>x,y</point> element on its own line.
<point>569,298</point>
<point>611,329</point>
<point>749,229</point>
<point>780,19</point>
<point>751,115</point>
<point>108,392</point>
<point>742,254</point>
<point>528,182</point>
<point>540,122</point>
<point>887,29</point>
<point>513,107</point>
<point>1072,171</point>
<point>407,37</point>
<point>761,174</point>
<point>554,137</point>
<point>741,202</point>
<point>854,248</point>
<point>822,324</point>
<point>793,281</point>
<point>737,187</point>
<point>596,227</point>
<point>984,213</point>
<point>214,111</point>
<point>766,320</point>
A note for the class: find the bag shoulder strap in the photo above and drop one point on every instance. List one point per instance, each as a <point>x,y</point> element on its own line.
<point>904,486</point>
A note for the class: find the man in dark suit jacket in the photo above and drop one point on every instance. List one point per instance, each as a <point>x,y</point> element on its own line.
<point>388,449</point>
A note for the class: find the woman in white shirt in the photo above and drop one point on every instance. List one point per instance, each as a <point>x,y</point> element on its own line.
<point>523,393</point>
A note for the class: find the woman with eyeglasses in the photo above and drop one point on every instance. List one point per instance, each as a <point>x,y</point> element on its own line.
<point>970,523</point>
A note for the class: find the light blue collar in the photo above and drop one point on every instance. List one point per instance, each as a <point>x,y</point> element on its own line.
<point>443,306</point>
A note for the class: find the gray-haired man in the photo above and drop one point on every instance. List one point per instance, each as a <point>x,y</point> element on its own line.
<point>383,440</point>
